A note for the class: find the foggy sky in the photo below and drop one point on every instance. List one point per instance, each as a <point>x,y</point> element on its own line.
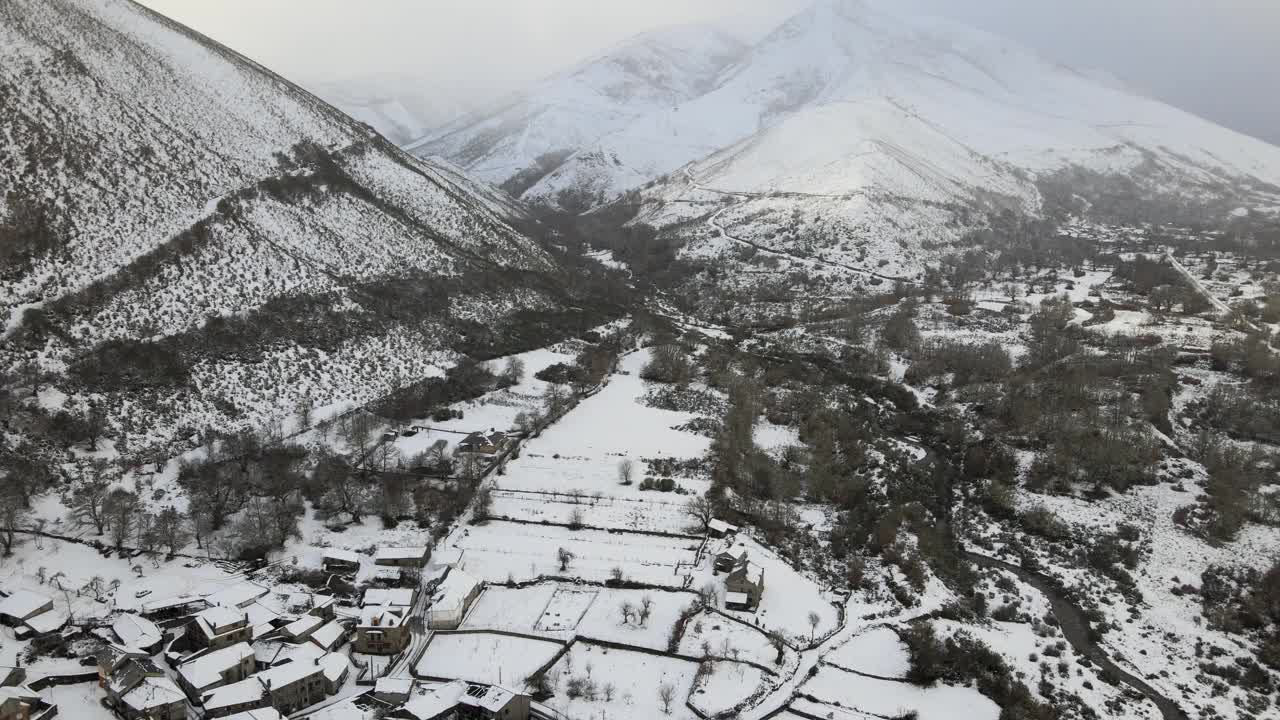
<point>1216,58</point>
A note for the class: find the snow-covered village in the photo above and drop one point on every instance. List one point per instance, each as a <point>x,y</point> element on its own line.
<point>627,398</point>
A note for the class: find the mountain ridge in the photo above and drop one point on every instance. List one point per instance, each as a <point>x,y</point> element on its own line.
<point>1018,117</point>
<point>195,241</point>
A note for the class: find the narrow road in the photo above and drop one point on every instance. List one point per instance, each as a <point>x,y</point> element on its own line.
<point>723,232</point>
<point>782,696</point>
<point>1195,283</point>
<point>1076,628</point>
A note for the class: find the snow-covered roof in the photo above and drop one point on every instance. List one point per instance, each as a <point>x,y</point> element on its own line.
<point>721,526</point>
<point>432,702</point>
<point>736,598</point>
<point>453,592</point>
<point>220,616</point>
<point>47,622</point>
<point>136,632</point>
<point>491,698</point>
<point>346,556</point>
<point>335,667</point>
<point>400,553</point>
<point>171,602</point>
<point>395,597</point>
<point>153,692</point>
<point>239,595</point>
<point>22,604</point>
<point>290,672</point>
<point>381,616</point>
<point>207,670</point>
<point>18,692</point>
<point>348,709</point>
<point>259,714</point>
<point>393,686</point>
<point>304,626</point>
<point>248,690</point>
<point>329,635</point>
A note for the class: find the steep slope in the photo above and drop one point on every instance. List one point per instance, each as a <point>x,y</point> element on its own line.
<point>196,242</point>
<point>401,108</point>
<point>896,123</point>
<point>527,138</point>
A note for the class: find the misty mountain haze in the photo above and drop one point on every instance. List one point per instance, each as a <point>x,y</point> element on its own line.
<point>568,360</point>
<point>1212,59</point>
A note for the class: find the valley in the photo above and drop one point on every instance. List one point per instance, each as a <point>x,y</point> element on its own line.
<point>872,368</point>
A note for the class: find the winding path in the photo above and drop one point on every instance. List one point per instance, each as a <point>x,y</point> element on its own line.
<point>1076,628</point>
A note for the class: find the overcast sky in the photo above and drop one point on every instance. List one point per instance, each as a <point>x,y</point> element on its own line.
<point>1217,58</point>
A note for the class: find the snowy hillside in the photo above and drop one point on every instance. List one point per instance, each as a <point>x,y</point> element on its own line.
<point>852,99</point>
<point>521,142</point>
<point>401,108</point>
<point>181,223</point>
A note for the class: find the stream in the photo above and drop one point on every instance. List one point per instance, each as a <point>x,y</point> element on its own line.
<point>1074,625</point>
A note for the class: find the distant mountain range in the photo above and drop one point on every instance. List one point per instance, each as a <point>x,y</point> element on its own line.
<point>898,121</point>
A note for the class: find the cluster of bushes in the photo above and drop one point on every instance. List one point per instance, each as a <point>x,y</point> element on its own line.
<point>664,484</point>
<point>1245,601</point>
<point>668,363</point>
<point>962,659</point>
<point>467,380</point>
<point>968,363</point>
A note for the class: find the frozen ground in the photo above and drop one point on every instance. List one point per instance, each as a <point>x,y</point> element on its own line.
<point>891,699</point>
<point>485,658</point>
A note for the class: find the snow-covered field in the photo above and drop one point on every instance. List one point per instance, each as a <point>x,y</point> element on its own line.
<point>485,658</point>
<point>636,679</point>
<point>876,652</point>
<point>891,699</point>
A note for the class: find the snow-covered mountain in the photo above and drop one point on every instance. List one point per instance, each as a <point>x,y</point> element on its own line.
<point>560,126</point>
<point>401,108</point>
<point>852,99</point>
<point>184,232</point>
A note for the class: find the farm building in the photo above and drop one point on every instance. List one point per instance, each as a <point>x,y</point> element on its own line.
<point>22,605</point>
<point>411,557</point>
<point>219,627</point>
<point>744,586</point>
<point>213,670</point>
<point>451,600</point>
<point>18,702</point>
<point>340,561</point>
<point>382,630</point>
<point>138,632</point>
<point>482,443</point>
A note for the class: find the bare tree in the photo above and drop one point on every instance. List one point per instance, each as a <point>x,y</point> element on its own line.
<point>344,492</point>
<point>171,530</point>
<point>608,690</point>
<point>436,457</point>
<point>95,424</point>
<point>627,610</point>
<point>359,431</point>
<point>513,373</point>
<point>303,413</point>
<point>13,516</point>
<point>555,400</point>
<point>122,514</point>
<point>646,609</point>
<point>626,472</point>
<point>666,693</point>
<point>814,619</point>
<point>565,558</point>
<point>90,494</point>
<point>575,518</point>
<point>702,511</point>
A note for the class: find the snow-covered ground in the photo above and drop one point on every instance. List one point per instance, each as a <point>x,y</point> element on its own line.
<point>485,658</point>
